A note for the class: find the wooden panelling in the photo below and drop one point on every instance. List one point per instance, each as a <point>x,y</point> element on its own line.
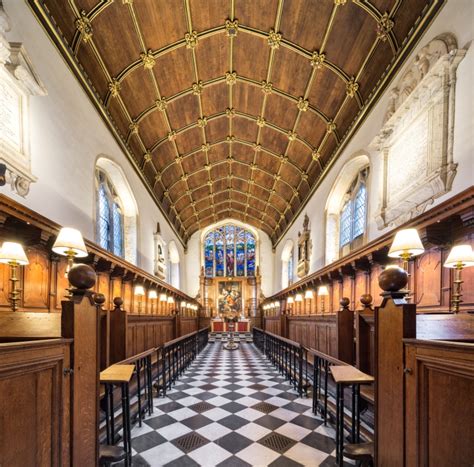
<point>439,426</point>
<point>36,282</point>
<point>430,283</point>
<point>146,331</point>
<point>43,281</point>
<point>317,332</point>
<point>34,422</point>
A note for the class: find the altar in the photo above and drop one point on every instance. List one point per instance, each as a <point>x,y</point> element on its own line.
<point>219,325</point>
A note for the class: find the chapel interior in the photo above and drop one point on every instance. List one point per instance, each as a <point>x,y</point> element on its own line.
<point>236,233</point>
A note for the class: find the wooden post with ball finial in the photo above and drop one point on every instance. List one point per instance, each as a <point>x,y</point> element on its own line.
<point>395,320</point>
<point>80,321</point>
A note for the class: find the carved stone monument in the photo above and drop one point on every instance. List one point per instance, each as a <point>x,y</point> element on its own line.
<point>416,141</point>
<point>304,248</point>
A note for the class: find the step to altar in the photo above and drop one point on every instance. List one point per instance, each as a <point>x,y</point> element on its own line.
<point>224,336</point>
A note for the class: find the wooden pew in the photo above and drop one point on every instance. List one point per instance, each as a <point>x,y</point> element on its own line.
<point>50,386</point>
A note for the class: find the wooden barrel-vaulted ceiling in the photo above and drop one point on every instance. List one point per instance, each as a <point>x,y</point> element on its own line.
<point>234,108</point>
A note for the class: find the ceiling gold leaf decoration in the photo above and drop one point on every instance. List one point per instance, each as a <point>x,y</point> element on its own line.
<point>261,95</point>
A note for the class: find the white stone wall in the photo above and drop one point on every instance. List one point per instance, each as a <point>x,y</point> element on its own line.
<point>456,17</point>
<point>67,137</point>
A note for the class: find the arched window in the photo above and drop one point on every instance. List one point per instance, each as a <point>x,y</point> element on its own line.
<point>287,264</point>
<point>353,214</point>
<point>109,216</point>
<point>346,209</point>
<point>229,250</point>
<point>116,211</point>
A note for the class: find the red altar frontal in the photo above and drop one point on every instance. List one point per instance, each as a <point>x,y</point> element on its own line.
<point>217,325</point>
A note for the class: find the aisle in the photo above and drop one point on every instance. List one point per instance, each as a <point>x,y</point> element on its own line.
<point>231,408</point>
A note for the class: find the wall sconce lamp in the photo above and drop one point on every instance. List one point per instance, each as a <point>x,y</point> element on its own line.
<point>170,302</point>
<point>323,292</point>
<point>153,296</point>
<point>70,243</point>
<point>139,292</point>
<point>406,245</point>
<point>13,254</point>
<point>163,302</point>
<point>460,257</point>
<point>276,306</point>
<point>309,295</point>
<point>298,301</point>
<point>289,302</point>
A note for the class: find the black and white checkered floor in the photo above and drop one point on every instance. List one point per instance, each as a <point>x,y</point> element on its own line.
<point>232,408</point>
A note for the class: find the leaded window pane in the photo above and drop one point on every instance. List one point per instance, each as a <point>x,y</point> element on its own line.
<point>229,251</point>
<point>360,204</point>
<point>346,224</point>
<point>118,230</point>
<point>209,255</point>
<point>104,226</point>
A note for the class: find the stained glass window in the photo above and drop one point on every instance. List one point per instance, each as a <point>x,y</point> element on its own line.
<point>209,254</point>
<point>229,251</point>
<point>240,251</point>
<point>354,212</point>
<point>109,216</point>
<point>220,252</point>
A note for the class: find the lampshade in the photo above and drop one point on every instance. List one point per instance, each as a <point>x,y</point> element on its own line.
<point>12,252</point>
<point>139,290</point>
<point>183,304</point>
<point>153,294</point>
<point>460,256</point>
<point>163,297</point>
<point>323,290</point>
<point>170,300</point>
<point>70,240</point>
<point>276,304</point>
<point>309,294</point>
<point>298,297</point>
<point>406,241</point>
<point>290,300</point>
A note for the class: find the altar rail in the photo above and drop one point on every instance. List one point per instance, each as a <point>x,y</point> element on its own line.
<point>43,283</point>
<point>357,273</point>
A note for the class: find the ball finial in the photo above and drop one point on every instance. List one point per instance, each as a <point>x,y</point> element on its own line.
<point>366,300</point>
<point>118,302</point>
<point>99,299</point>
<point>82,276</point>
<point>344,301</point>
<point>393,279</point>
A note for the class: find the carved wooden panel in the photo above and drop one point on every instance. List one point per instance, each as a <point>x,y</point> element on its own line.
<point>428,274</point>
<point>4,285</point>
<point>36,285</point>
<point>439,413</point>
<point>62,283</point>
<point>34,404</point>
<point>102,286</point>
<point>361,287</point>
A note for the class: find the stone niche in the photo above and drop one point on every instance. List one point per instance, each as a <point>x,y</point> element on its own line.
<point>416,141</point>
<point>18,81</point>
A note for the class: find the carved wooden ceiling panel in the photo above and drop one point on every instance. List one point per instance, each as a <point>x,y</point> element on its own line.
<point>234,108</point>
